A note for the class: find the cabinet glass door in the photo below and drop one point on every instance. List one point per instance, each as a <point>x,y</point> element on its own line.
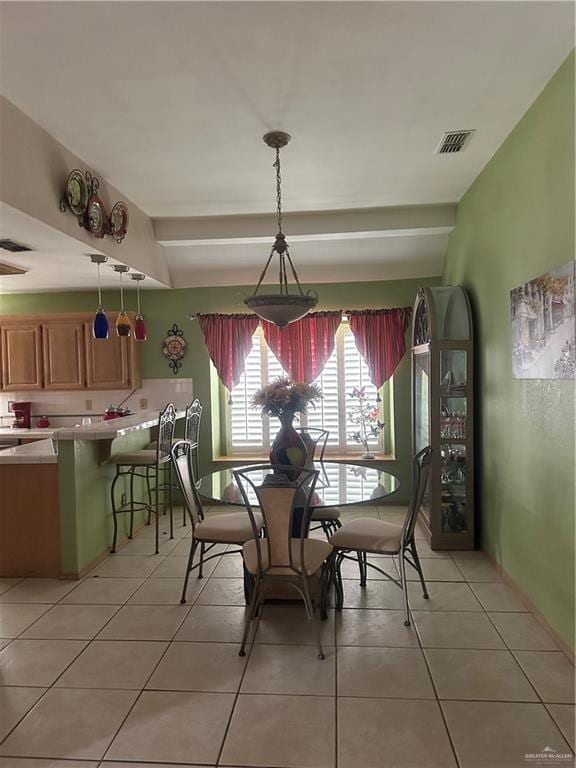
<point>421,399</point>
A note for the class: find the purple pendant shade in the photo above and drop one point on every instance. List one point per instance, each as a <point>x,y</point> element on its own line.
<point>123,325</point>
<point>140,330</point>
<point>100,326</point>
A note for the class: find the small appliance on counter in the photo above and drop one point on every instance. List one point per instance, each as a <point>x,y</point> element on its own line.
<point>43,422</point>
<point>21,411</point>
<point>110,413</point>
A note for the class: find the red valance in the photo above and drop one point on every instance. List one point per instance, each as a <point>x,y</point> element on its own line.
<point>229,341</point>
<point>303,347</point>
<point>380,339</point>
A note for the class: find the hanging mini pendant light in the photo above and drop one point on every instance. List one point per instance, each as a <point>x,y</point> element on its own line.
<point>283,307</point>
<point>123,326</point>
<point>140,331</point>
<point>100,328</point>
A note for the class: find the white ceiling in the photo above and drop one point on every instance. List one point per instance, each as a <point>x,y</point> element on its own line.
<point>56,262</point>
<point>169,101</point>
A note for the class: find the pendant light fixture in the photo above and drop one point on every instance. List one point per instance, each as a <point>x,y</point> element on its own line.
<point>123,326</point>
<point>100,328</point>
<point>283,307</point>
<point>140,331</point>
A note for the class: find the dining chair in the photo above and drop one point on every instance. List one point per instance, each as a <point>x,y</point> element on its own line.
<point>148,463</point>
<point>365,535</point>
<point>315,441</point>
<point>280,556</point>
<point>232,528</point>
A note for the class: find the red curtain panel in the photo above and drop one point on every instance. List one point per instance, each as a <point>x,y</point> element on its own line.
<point>303,347</point>
<point>229,341</point>
<point>380,338</point>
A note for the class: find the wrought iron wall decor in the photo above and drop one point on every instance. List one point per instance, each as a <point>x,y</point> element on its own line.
<point>174,348</point>
<point>81,197</point>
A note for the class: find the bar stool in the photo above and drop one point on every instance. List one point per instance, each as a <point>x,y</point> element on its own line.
<point>143,463</point>
<point>192,419</point>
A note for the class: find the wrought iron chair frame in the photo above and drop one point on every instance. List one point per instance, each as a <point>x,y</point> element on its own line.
<point>407,551</point>
<point>184,449</point>
<point>327,567</point>
<point>166,426</point>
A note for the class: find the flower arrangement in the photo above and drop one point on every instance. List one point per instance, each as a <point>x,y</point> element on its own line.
<point>283,398</point>
<point>366,417</point>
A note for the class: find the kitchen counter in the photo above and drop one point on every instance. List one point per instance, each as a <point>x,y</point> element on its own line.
<point>38,452</point>
<point>26,434</point>
<point>109,430</point>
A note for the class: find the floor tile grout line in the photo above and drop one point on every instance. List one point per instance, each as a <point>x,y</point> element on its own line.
<point>435,689</point>
<point>251,644</point>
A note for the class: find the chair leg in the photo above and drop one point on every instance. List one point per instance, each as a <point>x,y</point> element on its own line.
<point>157,515</point>
<point>193,545</point>
<point>248,585</point>
<point>170,500</point>
<point>362,557</point>
<point>338,582</point>
<point>114,513</point>
<point>404,585</point>
<point>313,616</point>
<point>419,569</point>
<point>131,531</point>
<point>201,566</point>
<point>251,614</point>
<point>149,490</point>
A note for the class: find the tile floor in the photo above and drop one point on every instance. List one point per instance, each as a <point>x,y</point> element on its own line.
<point>113,671</point>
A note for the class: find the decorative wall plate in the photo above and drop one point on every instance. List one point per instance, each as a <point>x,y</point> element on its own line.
<point>76,192</point>
<point>96,220</point>
<point>174,348</point>
<point>119,221</point>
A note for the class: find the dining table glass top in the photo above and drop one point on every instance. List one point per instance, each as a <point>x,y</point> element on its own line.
<point>338,484</point>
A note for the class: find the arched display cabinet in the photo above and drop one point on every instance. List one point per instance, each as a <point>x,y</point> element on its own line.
<point>443,412</point>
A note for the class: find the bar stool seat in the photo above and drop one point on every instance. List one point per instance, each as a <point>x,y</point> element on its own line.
<point>144,457</point>
<point>326,513</point>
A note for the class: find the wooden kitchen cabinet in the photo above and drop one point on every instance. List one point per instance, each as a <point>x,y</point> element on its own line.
<point>21,356</point>
<point>58,352</point>
<point>108,361</point>
<point>63,355</point>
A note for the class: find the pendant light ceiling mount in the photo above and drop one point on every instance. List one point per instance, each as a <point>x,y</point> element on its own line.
<point>283,307</point>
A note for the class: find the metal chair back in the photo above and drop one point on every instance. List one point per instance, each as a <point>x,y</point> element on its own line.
<point>314,439</point>
<point>420,472</point>
<point>278,498</point>
<point>166,426</point>
<point>181,458</point>
<point>192,432</point>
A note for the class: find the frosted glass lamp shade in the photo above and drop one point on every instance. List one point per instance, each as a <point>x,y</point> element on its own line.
<point>123,325</point>
<point>100,327</point>
<point>140,330</point>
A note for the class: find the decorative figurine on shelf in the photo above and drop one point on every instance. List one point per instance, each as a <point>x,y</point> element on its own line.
<point>174,348</point>
<point>284,399</point>
<point>366,417</point>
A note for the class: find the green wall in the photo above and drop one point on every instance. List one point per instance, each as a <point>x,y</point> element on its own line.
<point>162,308</point>
<point>514,223</point>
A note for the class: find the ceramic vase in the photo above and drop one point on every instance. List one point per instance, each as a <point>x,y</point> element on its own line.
<point>288,448</point>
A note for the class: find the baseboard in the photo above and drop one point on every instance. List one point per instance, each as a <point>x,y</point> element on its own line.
<point>102,556</point>
<point>538,615</point>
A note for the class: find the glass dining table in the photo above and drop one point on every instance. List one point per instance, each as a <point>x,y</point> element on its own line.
<point>339,484</point>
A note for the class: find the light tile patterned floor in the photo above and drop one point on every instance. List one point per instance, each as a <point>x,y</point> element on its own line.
<point>113,671</point>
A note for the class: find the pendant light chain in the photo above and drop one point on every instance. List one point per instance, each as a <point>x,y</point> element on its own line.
<point>278,189</point>
<point>138,297</point>
<point>121,294</point>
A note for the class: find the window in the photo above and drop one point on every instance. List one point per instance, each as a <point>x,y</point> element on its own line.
<point>248,432</point>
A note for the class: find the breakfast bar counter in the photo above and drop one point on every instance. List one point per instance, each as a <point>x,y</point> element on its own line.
<point>55,511</point>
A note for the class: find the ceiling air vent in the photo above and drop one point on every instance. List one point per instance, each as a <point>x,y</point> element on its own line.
<point>13,246</point>
<point>453,141</point>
